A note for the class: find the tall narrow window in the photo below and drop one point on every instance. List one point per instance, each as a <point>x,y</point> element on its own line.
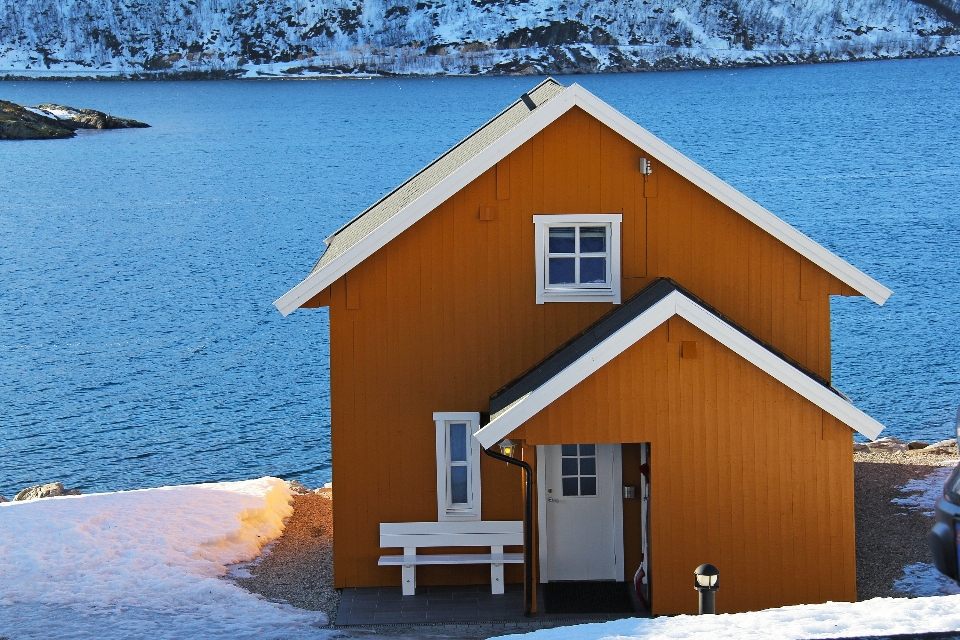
<point>578,258</point>
<point>458,466</point>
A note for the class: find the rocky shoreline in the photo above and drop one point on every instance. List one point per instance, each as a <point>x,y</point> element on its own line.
<point>53,121</point>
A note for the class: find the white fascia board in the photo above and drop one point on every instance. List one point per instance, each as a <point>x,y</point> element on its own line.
<point>405,218</point>
<point>676,304</point>
<point>577,372</point>
<point>778,368</point>
<point>729,196</point>
<point>576,95</point>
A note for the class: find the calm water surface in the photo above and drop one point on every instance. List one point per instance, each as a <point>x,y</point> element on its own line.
<point>138,344</point>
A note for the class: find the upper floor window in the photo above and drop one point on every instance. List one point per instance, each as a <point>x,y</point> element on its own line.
<point>578,258</point>
<point>458,466</point>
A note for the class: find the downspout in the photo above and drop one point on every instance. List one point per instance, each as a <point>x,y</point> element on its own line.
<point>527,528</point>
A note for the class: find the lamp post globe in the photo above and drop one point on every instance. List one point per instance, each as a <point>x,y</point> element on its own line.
<point>706,580</point>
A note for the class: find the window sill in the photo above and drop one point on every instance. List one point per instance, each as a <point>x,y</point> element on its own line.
<point>459,516</point>
<point>579,295</point>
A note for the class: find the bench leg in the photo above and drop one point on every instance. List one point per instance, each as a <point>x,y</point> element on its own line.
<point>408,575</point>
<point>496,572</point>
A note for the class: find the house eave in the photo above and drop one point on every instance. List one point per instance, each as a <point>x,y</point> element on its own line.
<point>539,119</point>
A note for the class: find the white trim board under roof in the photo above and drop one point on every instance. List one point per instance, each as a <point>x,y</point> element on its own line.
<point>611,336</point>
<point>521,121</point>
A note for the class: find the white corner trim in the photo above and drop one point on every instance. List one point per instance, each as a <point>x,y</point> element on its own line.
<point>572,96</point>
<point>440,419</point>
<point>676,304</point>
<point>543,541</point>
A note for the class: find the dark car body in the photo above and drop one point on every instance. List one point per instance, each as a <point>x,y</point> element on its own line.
<point>945,535</point>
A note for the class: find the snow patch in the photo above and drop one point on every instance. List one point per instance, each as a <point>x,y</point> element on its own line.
<point>880,616</point>
<point>924,492</point>
<point>923,579</point>
<point>132,563</point>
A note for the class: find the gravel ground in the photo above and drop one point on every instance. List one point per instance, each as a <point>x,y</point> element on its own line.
<point>891,536</point>
<point>298,568</point>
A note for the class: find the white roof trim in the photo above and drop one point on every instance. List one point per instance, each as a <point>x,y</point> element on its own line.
<point>572,96</point>
<point>676,304</point>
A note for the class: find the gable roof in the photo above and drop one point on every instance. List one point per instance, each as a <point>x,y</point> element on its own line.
<point>623,327</point>
<point>481,150</point>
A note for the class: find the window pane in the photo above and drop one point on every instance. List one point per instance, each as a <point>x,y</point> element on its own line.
<point>588,466</point>
<point>588,450</point>
<point>568,466</point>
<point>458,442</point>
<point>561,239</point>
<point>588,486</point>
<point>593,270</point>
<point>569,486</point>
<point>593,239</point>
<point>562,270</point>
<point>458,485</point>
<point>568,449</point>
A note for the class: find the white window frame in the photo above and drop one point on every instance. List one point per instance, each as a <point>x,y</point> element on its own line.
<point>445,511</point>
<point>578,293</point>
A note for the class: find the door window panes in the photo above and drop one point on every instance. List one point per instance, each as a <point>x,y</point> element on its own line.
<point>578,469</point>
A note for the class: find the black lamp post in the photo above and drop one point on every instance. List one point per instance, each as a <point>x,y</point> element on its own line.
<point>707,581</point>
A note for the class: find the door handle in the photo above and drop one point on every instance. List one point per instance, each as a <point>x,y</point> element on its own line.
<point>552,500</point>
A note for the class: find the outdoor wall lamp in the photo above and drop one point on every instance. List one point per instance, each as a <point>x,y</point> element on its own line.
<point>506,448</point>
<point>707,581</point>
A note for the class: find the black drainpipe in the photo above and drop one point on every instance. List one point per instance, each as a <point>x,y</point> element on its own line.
<point>527,528</point>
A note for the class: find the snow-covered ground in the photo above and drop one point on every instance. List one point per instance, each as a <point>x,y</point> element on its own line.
<point>144,564</point>
<point>149,564</point>
<point>880,616</point>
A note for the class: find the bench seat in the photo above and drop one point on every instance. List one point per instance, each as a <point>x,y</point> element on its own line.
<point>459,558</point>
<point>409,536</point>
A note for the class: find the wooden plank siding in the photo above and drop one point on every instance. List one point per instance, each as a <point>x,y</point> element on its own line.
<point>754,450</point>
<point>445,314</point>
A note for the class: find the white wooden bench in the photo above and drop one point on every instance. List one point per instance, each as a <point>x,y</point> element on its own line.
<point>411,536</point>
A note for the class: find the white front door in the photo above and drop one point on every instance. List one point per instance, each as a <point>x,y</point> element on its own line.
<point>581,512</point>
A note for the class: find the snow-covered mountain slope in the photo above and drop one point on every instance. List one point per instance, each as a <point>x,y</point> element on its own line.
<point>290,37</point>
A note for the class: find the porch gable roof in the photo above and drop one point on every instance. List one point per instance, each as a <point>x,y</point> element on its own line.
<point>623,327</point>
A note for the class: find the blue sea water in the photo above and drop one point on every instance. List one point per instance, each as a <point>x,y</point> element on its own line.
<point>138,344</point>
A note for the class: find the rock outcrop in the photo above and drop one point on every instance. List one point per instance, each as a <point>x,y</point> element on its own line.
<point>52,121</point>
<point>298,487</point>
<point>52,490</point>
<point>21,123</point>
<point>891,444</point>
<point>88,118</point>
